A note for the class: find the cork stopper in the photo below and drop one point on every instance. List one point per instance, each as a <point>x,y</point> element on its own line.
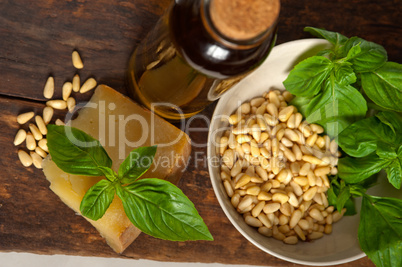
<point>243,19</point>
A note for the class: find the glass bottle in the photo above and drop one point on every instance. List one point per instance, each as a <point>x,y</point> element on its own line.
<point>198,50</point>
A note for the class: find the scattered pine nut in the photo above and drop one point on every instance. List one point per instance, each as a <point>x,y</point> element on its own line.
<point>77,61</point>
<point>76,83</point>
<point>71,104</point>
<point>36,160</point>
<point>48,90</point>
<point>20,137</point>
<point>40,152</point>
<point>41,124</point>
<point>25,117</point>
<point>30,141</point>
<point>57,104</point>
<point>47,114</point>
<point>59,122</point>
<point>88,85</point>
<point>25,158</point>
<point>43,144</point>
<point>35,132</point>
<point>66,90</point>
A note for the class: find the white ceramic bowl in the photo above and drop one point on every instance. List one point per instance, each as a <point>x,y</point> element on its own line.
<point>342,245</point>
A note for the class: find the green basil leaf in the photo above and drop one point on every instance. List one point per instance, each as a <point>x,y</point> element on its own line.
<point>353,52</point>
<point>343,196</point>
<point>355,170</point>
<point>386,151</point>
<point>137,163</point>
<point>333,198</point>
<point>360,139</point>
<point>97,200</point>
<point>108,173</point>
<point>371,57</point>
<point>384,86</point>
<point>334,38</point>
<point>380,230</point>
<point>76,152</point>
<point>336,107</point>
<point>307,76</point>
<point>394,121</point>
<point>344,74</point>
<point>301,103</point>
<point>160,209</point>
<point>394,172</point>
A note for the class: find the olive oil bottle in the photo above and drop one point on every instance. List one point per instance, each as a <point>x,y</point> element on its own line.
<point>198,50</point>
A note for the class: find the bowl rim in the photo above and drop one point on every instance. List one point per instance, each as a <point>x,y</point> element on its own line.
<point>216,182</point>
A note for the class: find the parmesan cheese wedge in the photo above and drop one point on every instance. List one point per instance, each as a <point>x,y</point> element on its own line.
<point>120,125</point>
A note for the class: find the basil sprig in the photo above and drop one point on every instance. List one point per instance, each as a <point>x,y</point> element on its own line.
<point>155,206</point>
<point>335,89</point>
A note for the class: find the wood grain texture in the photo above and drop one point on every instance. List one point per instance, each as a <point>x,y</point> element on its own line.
<point>36,40</point>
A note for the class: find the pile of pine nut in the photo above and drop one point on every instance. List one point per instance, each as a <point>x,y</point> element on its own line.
<point>35,138</point>
<point>275,169</point>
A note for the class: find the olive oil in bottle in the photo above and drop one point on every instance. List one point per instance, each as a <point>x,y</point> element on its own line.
<point>198,50</point>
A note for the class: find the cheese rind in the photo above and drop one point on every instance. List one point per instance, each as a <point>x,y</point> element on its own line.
<point>120,125</point>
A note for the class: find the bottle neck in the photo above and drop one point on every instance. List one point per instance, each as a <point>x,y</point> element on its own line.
<point>240,24</point>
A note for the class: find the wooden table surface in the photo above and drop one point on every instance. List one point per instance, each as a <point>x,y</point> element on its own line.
<point>37,38</point>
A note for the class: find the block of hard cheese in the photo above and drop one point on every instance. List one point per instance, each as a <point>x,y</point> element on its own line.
<point>120,125</point>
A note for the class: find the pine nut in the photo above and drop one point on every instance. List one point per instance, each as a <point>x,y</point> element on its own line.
<point>286,142</point>
<point>286,209</point>
<point>20,137</point>
<point>261,109</point>
<point>298,119</point>
<point>245,203</point>
<point>310,193</point>
<point>316,128</point>
<point>281,177</point>
<point>284,229</point>
<point>245,179</point>
<point>336,216</point>
<point>41,124</point>
<point>36,160</point>
<point>305,129</point>
<point>291,135</point>
<point>76,83</point>
<point>273,98</point>
<point>291,123</point>
<point>77,62</point>
<point>256,132</point>
<point>315,235</point>
<point>235,200</point>
<point>25,158</point>
<point>297,152</point>
<point>242,138</point>
<point>264,196</point>
<point>236,168</point>
<point>43,144</point>
<point>30,141</point>
<point>316,214</point>
<point>322,171</point>
<point>234,118</point>
<point>270,120</point>
<point>304,224</point>
<point>40,152</point>
<point>305,169</point>
<point>320,142</point>
<point>254,190</point>
<point>311,139</point>
<point>295,168</point>
<point>258,208</point>
<point>59,122</point>
<point>256,102</point>
<point>333,147</point>
<point>228,158</point>
<point>272,110</point>
<point>228,188</point>
<point>301,180</point>
<point>280,197</point>
<point>265,231</point>
<point>48,90</point>
<point>285,113</point>
<point>271,207</point>
<point>57,104</point>
<point>66,90</point>
<point>264,219</point>
<point>47,114</point>
<point>311,178</point>
<point>245,108</point>
<point>296,188</point>
<point>287,96</point>
<point>88,85</point>
<point>328,229</point>
<point>295,218</point>
<point>311,159</point>
<point>300,232</point>
<point>25,117</point>
<point>250,220</point>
